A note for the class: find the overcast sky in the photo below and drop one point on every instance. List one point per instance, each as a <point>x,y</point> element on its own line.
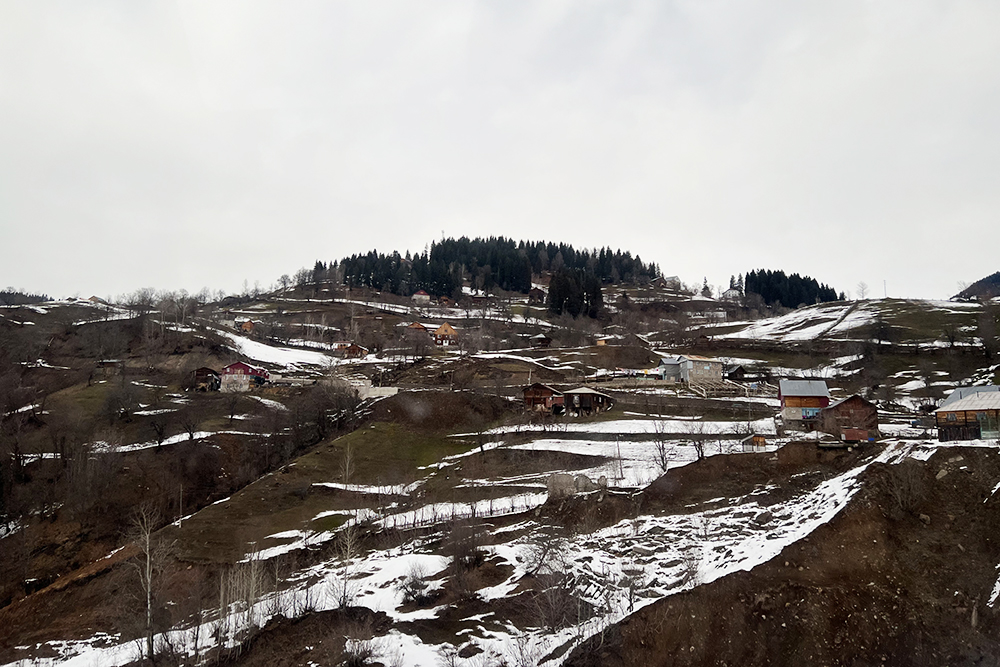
<point>193,144</point>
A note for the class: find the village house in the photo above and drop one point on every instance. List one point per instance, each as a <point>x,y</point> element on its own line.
<point>417,327</point>
<point>972,415</point>
<point>536,296</point>
<point>446,302</point>
<point>110,366</point>
<point>801,402</point>
<point>355,351</point>
<point>207,379</point>
<point>445,335</point>
<point>540,340</point>
<point>542,398</point>
<point>732,294</point>
<point>696,369</point>
<point>851,419</point>
<point>421,298</point>
<point>586,401</point>
<point>247,327</point>
<point>672,283</point>
<point>241,377</point>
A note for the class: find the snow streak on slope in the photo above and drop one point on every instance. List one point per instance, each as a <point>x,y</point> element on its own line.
<point>809,323</point>
<point>286,357</point>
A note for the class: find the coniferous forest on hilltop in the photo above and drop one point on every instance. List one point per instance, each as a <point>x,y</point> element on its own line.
<point>774,287</point>
<point>487,264</point>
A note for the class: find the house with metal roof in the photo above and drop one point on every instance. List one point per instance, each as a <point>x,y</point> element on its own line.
<point>974,416</point>
<point>963,392</point>
<point>801,402</point>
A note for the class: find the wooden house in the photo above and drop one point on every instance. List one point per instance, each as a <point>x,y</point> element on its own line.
<point>446,302</point>
<point>542,398</point>
<point>587,401</point>
<point>851,419</point>
<point>207,379</point>
<point>974,416</point>
<point>672,283</point>
<point>540,340</point>
<point>421,298</point>
<point>417,327</point>
<point>240,377</point>
<point>110,366</point>
<point>354,351</point>
<point>801,402</point>
<point>536,296</point>
<point>247,327</point>
<point>445,335</point>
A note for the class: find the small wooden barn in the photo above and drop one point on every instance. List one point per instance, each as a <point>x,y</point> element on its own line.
<point>542,398</point>
<point>587,401</point>
<point>540,340</point>
<point>354,351</point>
<point>207,379</point>
<point>852,419</point>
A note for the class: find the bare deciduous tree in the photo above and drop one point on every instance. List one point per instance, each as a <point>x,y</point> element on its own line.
<point>663,450</point>
<point>149,567</point>
<point>862,289</point>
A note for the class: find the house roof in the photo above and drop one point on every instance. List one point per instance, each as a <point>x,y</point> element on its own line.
<point>698,357</point>
<point>253,370</point>
<point>445,330</point>
<point>543,386</point>
<point>844,400</point>
<point>803,388</point>
<point>586,390</point>
<point>420,293</point>
<point>964,392</point>
<point>980,400</point>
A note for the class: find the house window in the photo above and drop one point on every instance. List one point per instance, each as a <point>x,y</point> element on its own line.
<point>952,417</point>
<point>810,413</point>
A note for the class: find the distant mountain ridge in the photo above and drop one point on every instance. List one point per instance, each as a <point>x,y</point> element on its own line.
<point>985,288</point>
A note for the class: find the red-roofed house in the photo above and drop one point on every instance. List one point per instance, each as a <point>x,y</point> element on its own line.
<point>242,377</point>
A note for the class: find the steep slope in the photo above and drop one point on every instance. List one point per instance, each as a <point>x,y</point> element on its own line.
<point>905,575</point>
